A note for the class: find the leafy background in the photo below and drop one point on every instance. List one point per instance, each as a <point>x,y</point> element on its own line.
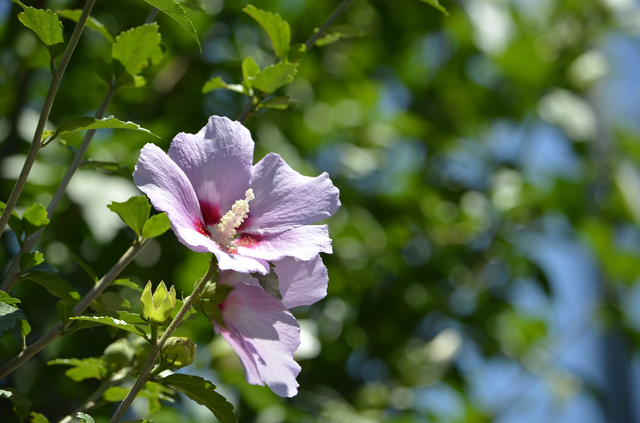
<point>485,260</point>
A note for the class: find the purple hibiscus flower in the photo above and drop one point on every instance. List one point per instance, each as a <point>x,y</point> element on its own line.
<point>262,330</point>
<point>219,202</point>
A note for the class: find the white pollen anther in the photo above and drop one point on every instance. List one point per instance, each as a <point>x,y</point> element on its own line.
<point>234,217</point>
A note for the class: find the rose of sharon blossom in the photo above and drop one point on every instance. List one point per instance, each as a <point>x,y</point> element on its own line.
<point>219,202</point>
<point>261,329</point>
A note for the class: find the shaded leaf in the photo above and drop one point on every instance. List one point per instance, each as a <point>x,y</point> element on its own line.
<point>21,403</point>
<point>297,51</point>
<point>33,219</point>
<point>38,418</point>
<point>134,212</point>
<point>86,267</point>
<point>65,311</point>
<point>202,392</point>
<point>123,321</point>
<point>55,285</point>
<point>108,166</point>
<point>156,225</point>
<point>437,5</point>
<point>46,25</point>
<point>134,51</point>
<point>28,260</point>
<point>275,76</point>
<point>85,123</point>
<point>270,282</point>
<point>280,103</point>
<point>217,83</point>
<point>176,12</point>
<point>15,223</point>
<point>110,301</point>
<point>8,316</point>
<point>338,32</point>
<point>86,368</point>
<point>92,22</point>
<point>276,27</point>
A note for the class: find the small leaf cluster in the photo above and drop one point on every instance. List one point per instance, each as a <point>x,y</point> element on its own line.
<point>135,214</point>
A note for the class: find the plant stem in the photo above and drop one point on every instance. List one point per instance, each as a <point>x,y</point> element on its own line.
<point>14,270</point>
<point>145,373</point>
<point>91,401</point>
<point>336,14</point>
<point>58,329</point>
<point>56,77</point>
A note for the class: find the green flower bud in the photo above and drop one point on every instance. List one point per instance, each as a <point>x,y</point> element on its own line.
<point>158,307</point>
<point>178,352</point>
<point>118,355</point>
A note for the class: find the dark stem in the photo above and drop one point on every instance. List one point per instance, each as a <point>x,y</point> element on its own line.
<point>336,14</point>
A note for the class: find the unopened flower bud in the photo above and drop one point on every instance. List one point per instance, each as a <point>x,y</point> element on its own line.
<point>118,355</point>
<point>158,307</point>
<point>178,352</point>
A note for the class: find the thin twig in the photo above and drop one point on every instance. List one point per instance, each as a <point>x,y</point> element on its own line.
<point>56,77</point>
<point>336,14</point>
<point>58,329</point>
<point>145,373</point>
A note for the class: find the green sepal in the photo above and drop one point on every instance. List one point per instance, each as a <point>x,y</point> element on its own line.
<point>159,306</point>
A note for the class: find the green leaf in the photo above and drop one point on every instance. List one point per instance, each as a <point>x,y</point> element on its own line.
<point>86,368</point>
<point>297,51</point>
<point>336,33</point>
<point>276,27</point>
<point>280,103</point>
<point>127,283</point>
<point>65,311</point>
<point>55,285</point>
<point>25,327</point>
<point>156,225</point>
<point>85,123</point>
<point>8,299</point>
<point>46,25</point>
<point>15,223</point>
<point>86,267</point>
<point>437,5</point>
<point>134,51</point>
<point>109,167</point>
<point>125,321</point>
<point>134,212</point>
<point>33,219</point>
<point>21,403</point>
<point>38,418</point>
<point>176,12</point>
<point>8,316</point>
<point>217,83</point>
<point>85,418</point>
<point>116,393</point>
<point>275,76</point>
<point>202,392</point>
<point>249,70</point>
<point>92,22</point>
<point>270,282</point>
<point>110,301</point>
<point>28,260</point>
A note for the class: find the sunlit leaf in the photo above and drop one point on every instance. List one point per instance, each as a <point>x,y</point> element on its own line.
<point>203,392</point>
<point>87,123</point>
<point>134,212</point>
<point>92,22</point>
<point>134,51</point>
<point>28,260</point>
<point>8,299</point>
<point>38,418</point>
<point>46,25</point>
<point>176,12</point>
<point>33,219</point>
<point>121,322</point>
<point>217,83</point>
<point>156,225</point>
<point>273,77</point>
<point>276,27</point>
<point>249,70</point>
<point>338,32</point>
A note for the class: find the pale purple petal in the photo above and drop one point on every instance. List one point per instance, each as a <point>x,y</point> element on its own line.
<point>301,282</point>
<point>304,243</point>
<point>285,199</point>
<point>170,191</point>
<point>240,263</point>
<point>265,335</point>
<point>217,160</point>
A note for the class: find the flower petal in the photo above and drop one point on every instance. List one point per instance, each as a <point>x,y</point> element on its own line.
<point>170,191</point>
<point>301,282</point>
<point>285,199</point>
<point>217,160</point>
<point>265,335</point>
<point>304,243</point>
